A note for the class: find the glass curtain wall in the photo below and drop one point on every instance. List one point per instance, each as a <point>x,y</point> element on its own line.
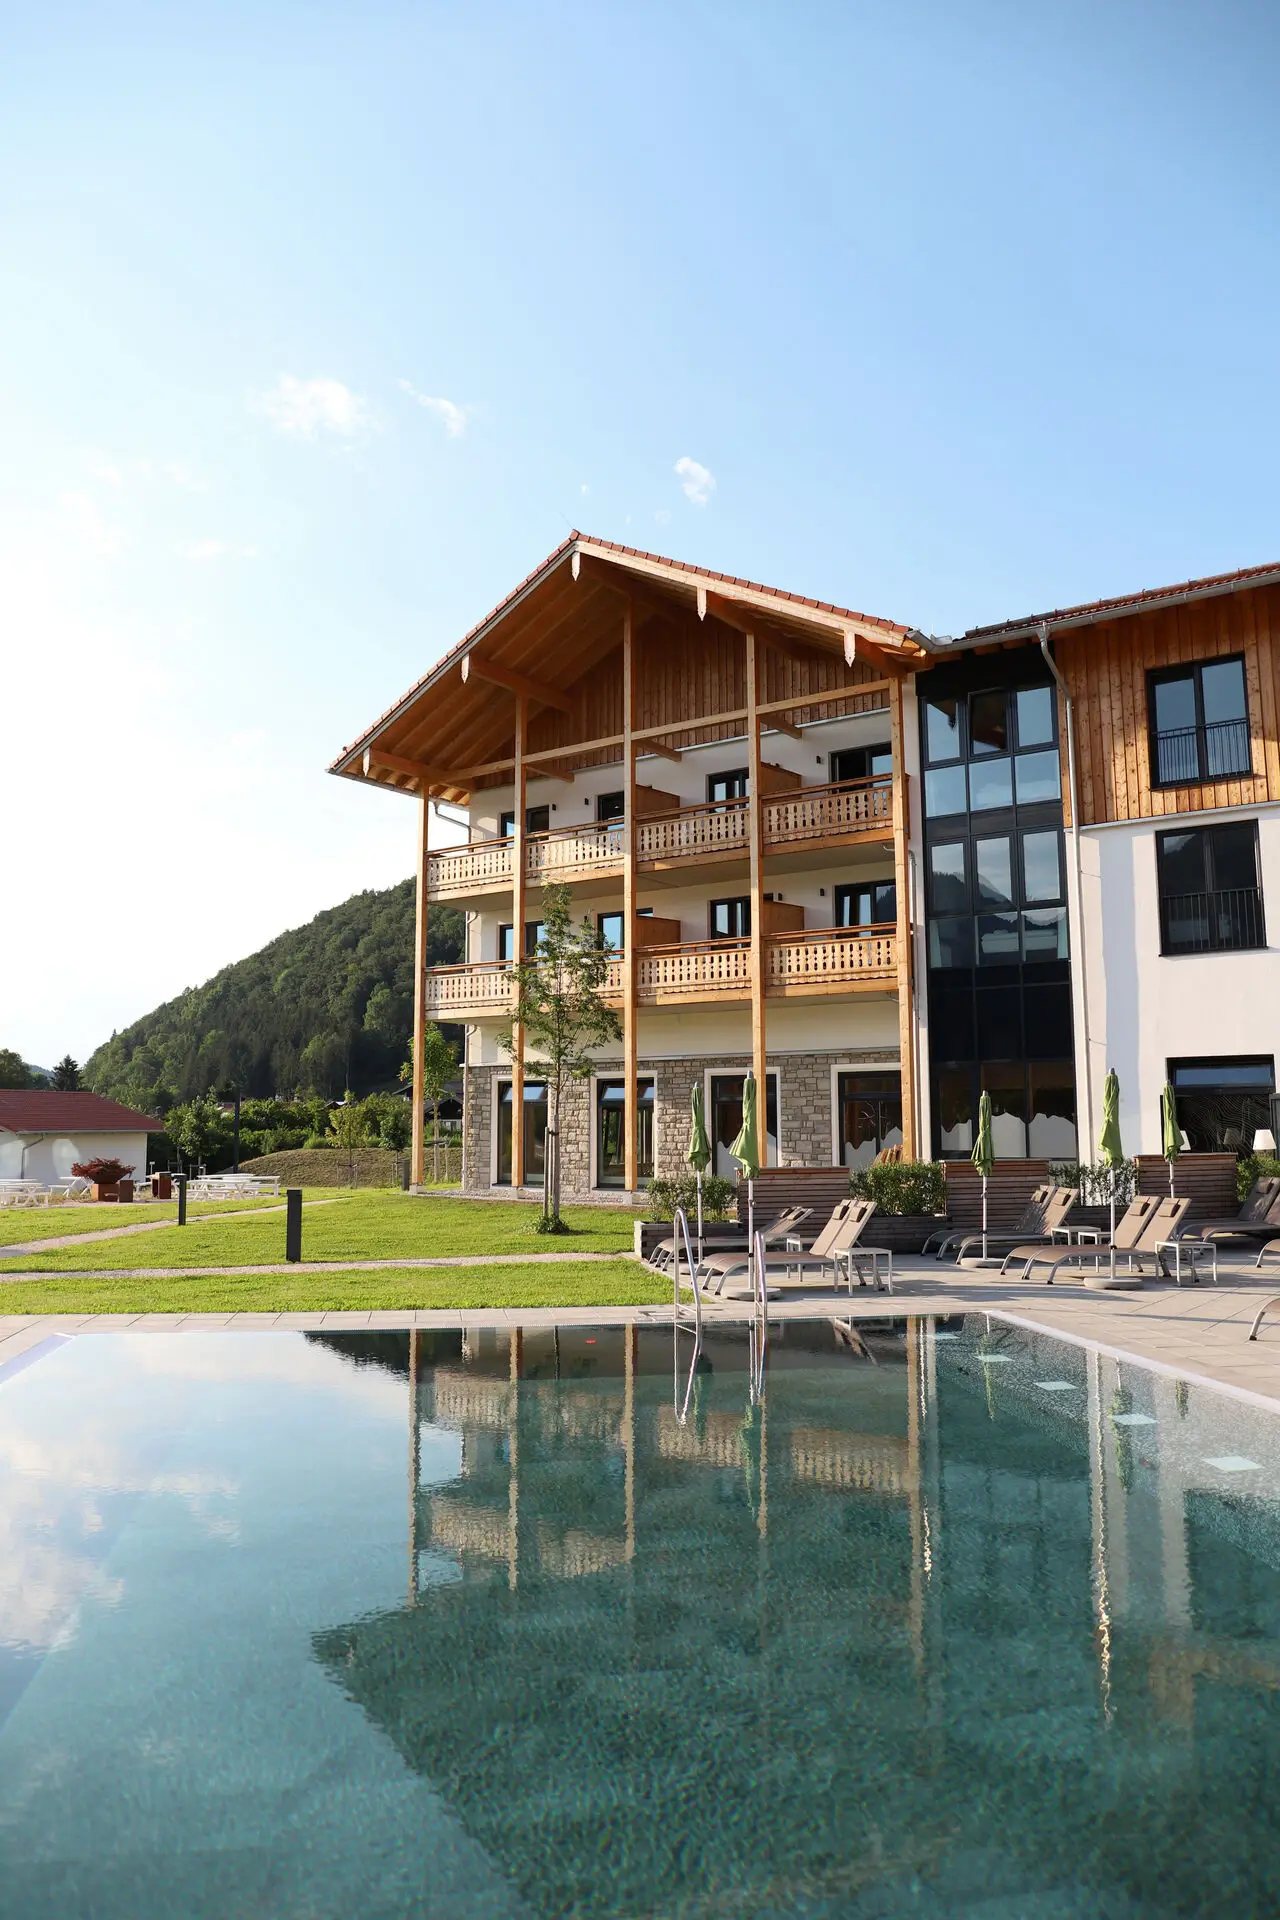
<point>996,909</point>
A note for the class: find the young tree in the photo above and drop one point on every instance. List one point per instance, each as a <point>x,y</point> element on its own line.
<point>66,1075</point>
<point>439,1058</point>
<point>349,1125</point>
<point>14,1071</point>
<point>197,1129</point>
<point>559,1003</point>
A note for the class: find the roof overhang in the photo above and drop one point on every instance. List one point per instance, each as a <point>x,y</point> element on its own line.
<point>1100,612</point>
<point>545,639</point>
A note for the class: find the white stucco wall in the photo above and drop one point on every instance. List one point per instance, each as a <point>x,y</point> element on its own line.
<point>1146,1008</point>
<point>50,1157</point>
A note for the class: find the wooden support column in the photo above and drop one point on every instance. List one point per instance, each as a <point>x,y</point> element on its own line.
<point>903,943</point>
<point>419,997</point>
<point>755,817</point>
<point>415,1465</point>
<point>517,944</point>
<point>630,1040</point>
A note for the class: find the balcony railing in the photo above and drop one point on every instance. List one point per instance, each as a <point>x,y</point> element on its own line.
<point>831,961</point>
<point>1219,751</point>
<point>1227,921</point>
<point>810,814</point>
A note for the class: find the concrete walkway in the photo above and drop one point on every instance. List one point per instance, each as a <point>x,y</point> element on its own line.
<point>1198,1334</point>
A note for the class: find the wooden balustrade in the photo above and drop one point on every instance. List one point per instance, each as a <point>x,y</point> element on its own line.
<point>829,962</point>
<point>811,814</point>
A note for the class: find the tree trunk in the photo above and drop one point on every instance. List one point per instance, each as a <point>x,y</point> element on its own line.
<point>435,1138</point>
<point>555,1194</point>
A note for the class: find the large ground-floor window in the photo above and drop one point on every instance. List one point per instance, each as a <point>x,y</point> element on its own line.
<point>726,1122</point>
<point>535,1133</point>
<point>1223,1102</point>
<point>869,1116</point>
<point>1033,1108</point>
<point>611,1109</point>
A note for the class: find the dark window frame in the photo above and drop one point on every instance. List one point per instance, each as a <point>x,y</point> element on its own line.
<point>740,900</point>
<point>1194,671</point>
<point>738,775</point>
<point>506,927</point>
<point>616,804</point>
<point>851,888</point>
<point>874,747</point>
<point>507,821</point>
<point>1234,917</point>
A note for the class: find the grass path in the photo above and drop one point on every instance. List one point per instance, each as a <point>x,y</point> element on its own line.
<point>342,1230</point>
<point>557,1282</point>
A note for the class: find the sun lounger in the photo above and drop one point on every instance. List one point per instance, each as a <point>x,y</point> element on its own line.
<point>1258,1218</point>
<point>731,1239</point>
<point>837,1249</point>
<point>1028,1226</point>
<point>1055,1210</point>
<point>1130,1228</point>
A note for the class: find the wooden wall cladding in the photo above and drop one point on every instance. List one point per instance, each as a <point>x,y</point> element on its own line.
<point>1106,668</point>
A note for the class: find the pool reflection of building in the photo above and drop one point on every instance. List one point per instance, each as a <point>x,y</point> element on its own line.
<point>645,1624</point>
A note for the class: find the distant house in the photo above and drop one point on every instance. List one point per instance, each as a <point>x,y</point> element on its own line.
<point>42,1133</point>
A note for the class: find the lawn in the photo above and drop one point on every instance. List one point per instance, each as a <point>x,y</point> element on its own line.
<point>19,1225</point>
<point>351,1226</point>
<point>593,1284</point>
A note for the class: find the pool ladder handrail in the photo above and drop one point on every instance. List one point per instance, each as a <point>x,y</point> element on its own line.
<point>1264,1309</point>
<point>758,1333</point>
<point>684,1319</point>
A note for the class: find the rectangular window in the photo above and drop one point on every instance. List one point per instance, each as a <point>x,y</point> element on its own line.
<point>1041,867</point>
<point>1210,898</point>
<point>534,930</point>
<point>611,1106</point>
<point>733,785</point>
<point>861,763</point>
<point>1221,1103</point>
<point>954,1111</point>
<point>993,863</point>
<point>945,791</point>
<point>609,927</point>
<point>874,904</point>
<point>1199,723</point>
<point>726,1122</point>
<point>611,806</point>
<point>535,1133</point>
<point>942,730</point>
<point>869,1108</point>
<point>988,724</point>
<point>948,885</point>
<point>990,785</point>
<point>536,820</point>
<point>729,919</point>
<point>1034,711</point>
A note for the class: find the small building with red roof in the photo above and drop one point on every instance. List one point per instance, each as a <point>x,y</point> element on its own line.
<point>43,1133</point>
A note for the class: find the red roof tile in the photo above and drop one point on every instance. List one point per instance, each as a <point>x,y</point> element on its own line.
<point>43,1111</point>
<point>1133,602</point>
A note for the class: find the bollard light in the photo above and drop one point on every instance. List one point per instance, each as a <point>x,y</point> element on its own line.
<point>182,1199</point>
<point>293,1224</point>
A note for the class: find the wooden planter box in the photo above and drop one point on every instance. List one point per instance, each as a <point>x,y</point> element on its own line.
<point>105,1193</point>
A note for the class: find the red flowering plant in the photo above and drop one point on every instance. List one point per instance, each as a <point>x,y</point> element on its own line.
<point>103,1173</point>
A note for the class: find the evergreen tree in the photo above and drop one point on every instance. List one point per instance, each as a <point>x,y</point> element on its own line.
<point>66,1075</point>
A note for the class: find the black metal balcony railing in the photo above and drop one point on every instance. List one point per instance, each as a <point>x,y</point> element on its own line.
<point>1214,752</point>
<point>1229,921</point>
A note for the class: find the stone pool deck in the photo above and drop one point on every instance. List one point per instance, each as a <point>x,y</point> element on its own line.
<point>1197,1333</point>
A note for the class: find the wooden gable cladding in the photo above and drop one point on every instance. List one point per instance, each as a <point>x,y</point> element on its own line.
<point>1106,667</point>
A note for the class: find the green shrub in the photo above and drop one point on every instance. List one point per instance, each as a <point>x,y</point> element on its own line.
<point>1255,1166</point>
<point>1094,1181</point>
<point>718,1197</point>
<point>903,1186</point>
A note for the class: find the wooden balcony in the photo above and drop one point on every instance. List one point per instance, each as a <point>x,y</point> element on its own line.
<point>808,817</point>
<point>796,964</point>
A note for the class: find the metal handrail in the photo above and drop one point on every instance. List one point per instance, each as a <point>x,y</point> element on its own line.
<point>680,1227</point>
<point>758,1343</point>
<point>1265,1308</point>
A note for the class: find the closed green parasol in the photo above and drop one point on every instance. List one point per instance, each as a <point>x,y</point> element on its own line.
<point>746,1148</point>
<point>1111,1146</point>
<point>699,1154</point>
<point>1170,1131</point>
<point>984,1157</point>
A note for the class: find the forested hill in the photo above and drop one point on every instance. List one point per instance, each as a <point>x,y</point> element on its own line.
<point>322,1008</point>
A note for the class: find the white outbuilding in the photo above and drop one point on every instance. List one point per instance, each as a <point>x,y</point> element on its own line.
<point>42,1134</point>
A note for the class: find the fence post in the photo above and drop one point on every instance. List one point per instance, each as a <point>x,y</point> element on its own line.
<point>182,1199</point>
<point>293,1224</point>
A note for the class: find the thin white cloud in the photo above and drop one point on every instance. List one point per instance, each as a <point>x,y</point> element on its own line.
<point>697,482</point>
<point>451,416</point>
<point>662,516</point>
<point>117,475</point>
<point>214,550</point>
<point>305,409</point>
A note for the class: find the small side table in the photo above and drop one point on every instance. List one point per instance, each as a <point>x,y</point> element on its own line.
<point>1195,1251</point>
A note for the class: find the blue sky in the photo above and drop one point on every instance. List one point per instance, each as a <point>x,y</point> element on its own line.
<point>320,326</point>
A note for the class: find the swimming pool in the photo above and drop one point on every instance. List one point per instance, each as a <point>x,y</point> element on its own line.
<point>953,1618</point>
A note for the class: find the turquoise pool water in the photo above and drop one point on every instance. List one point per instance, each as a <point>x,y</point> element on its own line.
<point>952,1620</point>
